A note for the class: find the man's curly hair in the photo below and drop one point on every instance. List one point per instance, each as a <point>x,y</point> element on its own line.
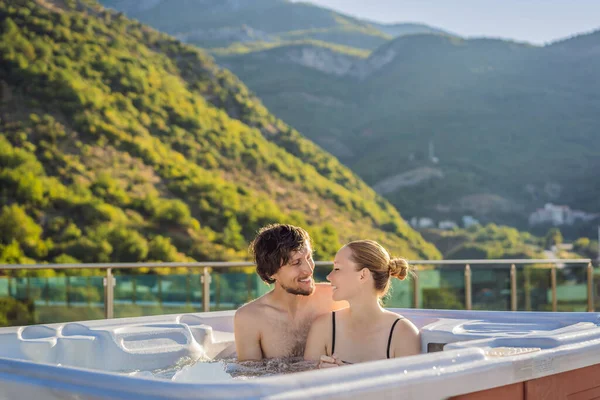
<point>273,245</point>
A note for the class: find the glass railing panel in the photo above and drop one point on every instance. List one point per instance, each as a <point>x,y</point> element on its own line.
<point>156,294</point>
<point>533,283</point>
<point>41,300</point>
<point>232,288</point>
<point>442,287</point>
<point>400,294</point>
<point>490,287</point>
<point>71,298</point>
<point>51,298</point>
<point>571,288</point>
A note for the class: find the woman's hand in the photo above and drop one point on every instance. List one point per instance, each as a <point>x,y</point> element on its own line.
<point>329,362</point>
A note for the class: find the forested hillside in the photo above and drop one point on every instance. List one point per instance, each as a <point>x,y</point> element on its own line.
<point>435,123</point>
<point>119,143</point>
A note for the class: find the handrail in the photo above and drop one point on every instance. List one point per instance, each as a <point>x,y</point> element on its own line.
<point>468,265</point>
<point>230,264</point>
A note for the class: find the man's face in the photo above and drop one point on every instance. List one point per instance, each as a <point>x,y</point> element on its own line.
<point>296,277</point>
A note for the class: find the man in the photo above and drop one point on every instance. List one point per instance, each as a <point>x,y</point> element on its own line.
<point>277,323</point>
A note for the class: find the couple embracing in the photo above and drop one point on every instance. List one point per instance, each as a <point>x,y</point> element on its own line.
<point>335,324</point>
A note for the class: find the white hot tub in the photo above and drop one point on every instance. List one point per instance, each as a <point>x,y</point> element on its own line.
<point>464,352</point>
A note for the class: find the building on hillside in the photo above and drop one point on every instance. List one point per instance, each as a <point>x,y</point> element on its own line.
<point>559,215</point>
<point>432,156</point>
<point>422,223</point>
<point>447,225</point>
<point>468,221</point>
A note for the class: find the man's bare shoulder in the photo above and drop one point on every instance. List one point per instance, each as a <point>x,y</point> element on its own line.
<point>253,308</point>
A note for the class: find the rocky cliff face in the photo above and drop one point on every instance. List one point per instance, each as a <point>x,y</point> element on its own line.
<point>321,59</point>
<point>364,68</point>
<point>241,34</point>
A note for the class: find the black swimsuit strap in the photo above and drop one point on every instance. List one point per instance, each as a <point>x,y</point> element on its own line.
<point>333,333</point>
<point>390,338</point>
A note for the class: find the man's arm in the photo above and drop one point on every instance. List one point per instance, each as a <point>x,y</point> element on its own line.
<point>247,335</point>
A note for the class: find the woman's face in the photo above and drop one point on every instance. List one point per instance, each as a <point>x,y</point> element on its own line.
<point>345,279</point>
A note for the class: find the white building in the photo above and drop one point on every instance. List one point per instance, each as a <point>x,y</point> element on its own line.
<point>559,215</point>
<point>422,223</point>
<point>447,225</point>
<point>468,221</point>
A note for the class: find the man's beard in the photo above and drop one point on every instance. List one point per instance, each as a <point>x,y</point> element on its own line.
<point>298,291</point>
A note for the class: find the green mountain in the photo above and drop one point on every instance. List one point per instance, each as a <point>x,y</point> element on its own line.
<point>511,126</point>
<point>401,29</point>
<point>488,242</point>
<point>441,126</point>
<point>120,143</point>
<point>239,23</point>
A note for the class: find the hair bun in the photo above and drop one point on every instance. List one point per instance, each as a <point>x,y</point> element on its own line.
<point>398,268</point>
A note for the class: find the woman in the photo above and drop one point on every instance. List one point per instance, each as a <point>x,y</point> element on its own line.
<point>364,331</point>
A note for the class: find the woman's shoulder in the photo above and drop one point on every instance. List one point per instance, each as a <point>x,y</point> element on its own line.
<point>403,322</point>
<point>323,324</point>
<point>326,320</point>
<point>392,316</point>
<point>406,338</point>
<point>402,327</point>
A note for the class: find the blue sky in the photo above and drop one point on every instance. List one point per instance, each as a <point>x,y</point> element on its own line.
<point>535,21</point>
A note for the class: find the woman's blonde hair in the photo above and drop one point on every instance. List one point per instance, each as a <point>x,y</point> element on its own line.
<point>371,255</point>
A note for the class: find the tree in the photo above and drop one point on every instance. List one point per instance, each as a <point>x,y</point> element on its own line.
<point>128,245</point>
<point>173,211</point>
<point>161,249</point>
<point>13,254</point>
<point>553,238</point>
<point>14,312</point>
<point>15,224</point>
<point>232,234</point>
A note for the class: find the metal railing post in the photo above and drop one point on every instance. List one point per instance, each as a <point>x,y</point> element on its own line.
<point>88,287</point>
<point>590,287</point>
<point>188,287</point>
<point>47,290</point>
<point>205,290</point>
<point>415,288</point>
<point>67,291</point>
<point>217,291</point>
<point>553,288</point>
<point>133,289</point>
<point>159,289</point>
<point>109,294</point>
<point>513,287</point>
<point>468,300</point>
<point>527,288</point>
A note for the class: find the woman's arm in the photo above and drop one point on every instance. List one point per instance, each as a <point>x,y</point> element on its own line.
<point>319,334</point>
<point>406,340</point>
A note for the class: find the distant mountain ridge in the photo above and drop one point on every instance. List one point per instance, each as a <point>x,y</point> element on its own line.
<point>486,106</point>
<point>221,23</point>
